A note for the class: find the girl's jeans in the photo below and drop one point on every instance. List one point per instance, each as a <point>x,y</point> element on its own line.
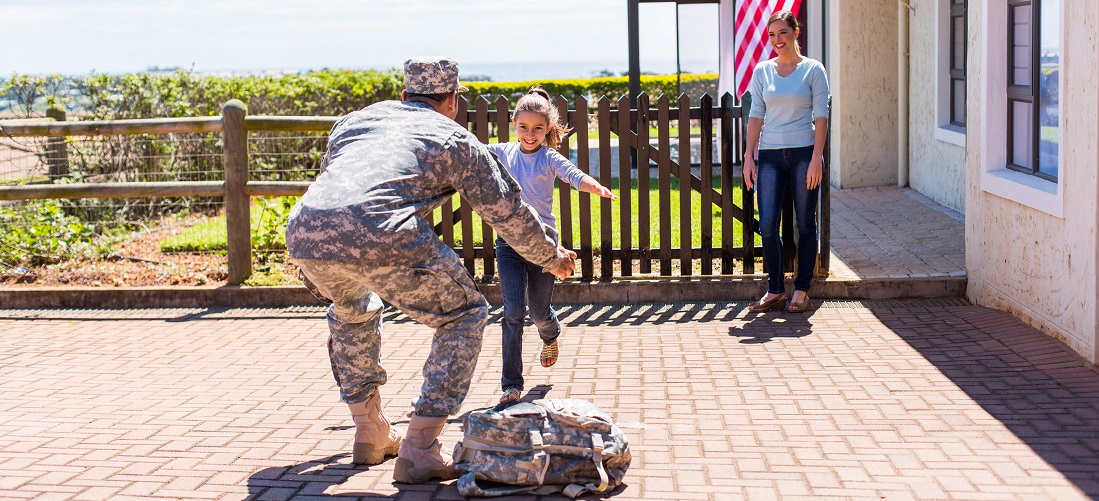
<point>523,284</point>
<point>777,169</point>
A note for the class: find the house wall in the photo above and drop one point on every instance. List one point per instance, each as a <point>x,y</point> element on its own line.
<point>936,153</point>
<point>1029,250</point>
<point>862,54</point>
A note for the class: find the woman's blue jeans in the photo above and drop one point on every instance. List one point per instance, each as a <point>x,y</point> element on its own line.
<point>775,171</point>
<point>523,284</point>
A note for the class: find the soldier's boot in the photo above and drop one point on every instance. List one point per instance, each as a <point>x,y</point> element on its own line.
<point>375,437</point>
<point>421,457</point>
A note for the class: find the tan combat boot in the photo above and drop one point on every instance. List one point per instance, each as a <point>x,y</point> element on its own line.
<point>374,437</point>
<point>421,457</point>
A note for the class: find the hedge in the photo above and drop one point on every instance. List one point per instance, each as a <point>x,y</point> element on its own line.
<point>693,85</point>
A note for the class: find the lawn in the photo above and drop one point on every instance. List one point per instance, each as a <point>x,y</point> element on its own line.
<point>269,222</point>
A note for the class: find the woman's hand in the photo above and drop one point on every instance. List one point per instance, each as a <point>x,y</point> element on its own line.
<point>815,174</point>
<point>749,173</point>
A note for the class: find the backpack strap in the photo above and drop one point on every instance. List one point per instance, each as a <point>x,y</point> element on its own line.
<point>538,452</point>
<point>597,446</point>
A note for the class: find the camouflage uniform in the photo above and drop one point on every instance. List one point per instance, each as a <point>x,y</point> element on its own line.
<point>361,235</point>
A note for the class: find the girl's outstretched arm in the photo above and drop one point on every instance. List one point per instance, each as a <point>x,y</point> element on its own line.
<point>590,185</point>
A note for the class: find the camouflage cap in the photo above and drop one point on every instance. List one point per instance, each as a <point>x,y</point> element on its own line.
<point>431,75</point>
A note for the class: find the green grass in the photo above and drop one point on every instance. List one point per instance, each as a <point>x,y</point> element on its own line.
<point>594,134</point>
<point>268,222</point>
<point>654,217</point>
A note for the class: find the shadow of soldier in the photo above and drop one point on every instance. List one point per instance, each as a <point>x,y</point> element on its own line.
<point>332,476</point>
<point>758,328</point>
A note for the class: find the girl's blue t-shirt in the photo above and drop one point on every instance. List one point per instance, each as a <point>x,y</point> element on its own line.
<point>535,173</point>
<point>788,105</point>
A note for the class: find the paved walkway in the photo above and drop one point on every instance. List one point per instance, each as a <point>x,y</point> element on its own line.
<point>930,399</point>
<point>894,233</point>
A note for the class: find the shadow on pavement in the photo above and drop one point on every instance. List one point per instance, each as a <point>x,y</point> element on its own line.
<point>312,479</point>
<point>763,327</point>
<point>1037,387</point>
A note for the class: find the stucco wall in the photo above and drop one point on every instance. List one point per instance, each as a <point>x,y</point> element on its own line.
<point>863,75</point>
<point>1038,266</point>
<point>936,167</point>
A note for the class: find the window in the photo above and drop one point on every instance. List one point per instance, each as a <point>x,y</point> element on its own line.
<point>958,33</point>
<point>1033,67</point>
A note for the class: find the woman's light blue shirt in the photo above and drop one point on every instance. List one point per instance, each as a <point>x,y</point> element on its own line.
<point>788,105</point>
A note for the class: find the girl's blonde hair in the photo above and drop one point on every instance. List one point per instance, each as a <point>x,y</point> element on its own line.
<point>538,101</point>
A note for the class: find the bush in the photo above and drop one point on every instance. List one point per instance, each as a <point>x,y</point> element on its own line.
<point>694,85</point>
<point>42,233</point>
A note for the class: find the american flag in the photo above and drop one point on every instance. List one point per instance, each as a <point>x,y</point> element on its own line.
<point>750,36</point>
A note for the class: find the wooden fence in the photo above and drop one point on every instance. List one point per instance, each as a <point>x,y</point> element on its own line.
<point>629,126</point>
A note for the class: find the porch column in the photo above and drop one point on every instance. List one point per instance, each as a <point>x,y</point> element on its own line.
<point>862,71</point>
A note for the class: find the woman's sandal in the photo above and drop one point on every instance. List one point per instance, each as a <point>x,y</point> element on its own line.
<point>549,354</point>
<point>511,394</point>
<point>762,306</point>
<point>798,307</point>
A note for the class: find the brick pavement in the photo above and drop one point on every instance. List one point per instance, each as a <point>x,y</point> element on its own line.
<point>892,232</point>
<point>930,399</point>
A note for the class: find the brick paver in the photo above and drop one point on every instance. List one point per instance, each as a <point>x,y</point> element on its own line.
<point>868,400</point>
<point>892,232</point>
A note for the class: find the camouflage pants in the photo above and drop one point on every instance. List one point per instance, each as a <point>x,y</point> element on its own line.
<point>438,293</point>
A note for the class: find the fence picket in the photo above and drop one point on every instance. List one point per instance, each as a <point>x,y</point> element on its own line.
<point>706,173</point>
<point>686,243</point>
<point>665,183</point>
<point>587,270</point>
<point>727,210</point>
<point>747,201</point>
<point>564,191</point>
<point>644,244</point>
<point>624,182</point>
<point>606,235</point>
<point>487,240</point>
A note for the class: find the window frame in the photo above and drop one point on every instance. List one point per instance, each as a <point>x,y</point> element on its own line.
<point>990,94</point>
<point>1028,93</point>
<point>957,10</point>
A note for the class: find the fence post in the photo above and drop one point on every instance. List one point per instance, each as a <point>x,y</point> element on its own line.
<point>57,153</point>
<point>237,203</point>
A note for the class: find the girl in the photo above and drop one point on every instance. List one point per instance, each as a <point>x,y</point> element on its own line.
<point>789,123</point>
<point>535,164</point>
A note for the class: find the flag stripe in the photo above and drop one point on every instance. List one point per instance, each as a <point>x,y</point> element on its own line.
<point>750,39</point>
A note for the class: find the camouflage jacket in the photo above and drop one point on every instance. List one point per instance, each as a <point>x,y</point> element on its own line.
<point>386,168</point>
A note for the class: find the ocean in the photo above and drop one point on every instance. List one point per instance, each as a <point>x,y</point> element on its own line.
<point>521,72</point>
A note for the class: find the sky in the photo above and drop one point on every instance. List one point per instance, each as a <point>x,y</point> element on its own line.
<point>116,36</point>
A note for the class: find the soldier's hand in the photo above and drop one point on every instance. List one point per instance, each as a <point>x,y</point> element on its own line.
<point>567,265</point>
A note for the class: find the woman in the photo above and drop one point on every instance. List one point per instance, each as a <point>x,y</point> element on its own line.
<point>788,123</point>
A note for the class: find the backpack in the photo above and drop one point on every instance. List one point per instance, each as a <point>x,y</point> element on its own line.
<point>542,447</point>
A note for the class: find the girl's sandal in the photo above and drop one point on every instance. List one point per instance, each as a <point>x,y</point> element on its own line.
<point>549,354</point>
<point>511,394</point>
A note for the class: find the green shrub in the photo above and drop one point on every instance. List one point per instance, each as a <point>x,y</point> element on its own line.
<point>42,233</point>
<point>694,85</point>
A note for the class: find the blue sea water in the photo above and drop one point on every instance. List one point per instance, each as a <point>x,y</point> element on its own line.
<point>519,72</point>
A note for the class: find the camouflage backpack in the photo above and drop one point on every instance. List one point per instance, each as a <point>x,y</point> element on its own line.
<point>545,446</point>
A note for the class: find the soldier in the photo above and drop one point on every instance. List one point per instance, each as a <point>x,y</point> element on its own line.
<point>361,235</point>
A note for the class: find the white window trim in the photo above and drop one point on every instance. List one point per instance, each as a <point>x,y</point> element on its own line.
<point>944,130</point>
<point>996,178</point>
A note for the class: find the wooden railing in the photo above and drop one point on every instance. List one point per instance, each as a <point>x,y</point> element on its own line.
<point>630,126</point>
